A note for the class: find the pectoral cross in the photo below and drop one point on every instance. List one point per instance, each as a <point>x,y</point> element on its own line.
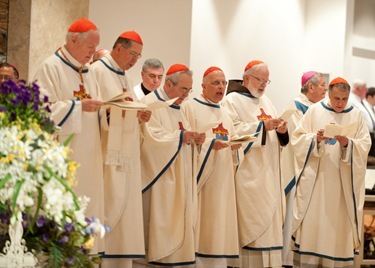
<point>127,98</point>
<point>181,126</point>
<point>81,94</point>
<point>263,115</point>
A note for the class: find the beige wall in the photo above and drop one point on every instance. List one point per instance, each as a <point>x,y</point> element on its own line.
<point>164,25</point>
<point>229,34</point>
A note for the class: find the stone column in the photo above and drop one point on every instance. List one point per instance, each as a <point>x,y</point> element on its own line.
<point>37,28</point>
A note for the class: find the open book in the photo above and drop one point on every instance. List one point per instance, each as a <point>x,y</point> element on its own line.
<point>243,139</point>
<point>125,101</point>
<point>332,130</point>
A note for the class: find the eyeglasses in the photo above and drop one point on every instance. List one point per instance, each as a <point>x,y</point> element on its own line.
<point>217,82</point>
<point>135,55</point>
<point>185,90</point>
<point>261,80</point>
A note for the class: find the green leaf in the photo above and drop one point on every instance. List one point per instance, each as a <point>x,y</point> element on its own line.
<point>67,141</point>
<point>5,180</point>
<point>55,256</point>
<point>3,206</point>
<point>40,198</point>
<point>17,189</point>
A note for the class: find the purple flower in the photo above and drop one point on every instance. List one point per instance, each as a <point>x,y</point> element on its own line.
<point>41,221</point>
<point>88,221</point>
<point>5,217</point>
<point>25,221</point>
<point>68,227</point>
<point>35,86</point>
<point>45,237</point>
<point>7,86</point>
<point>83,250</point>
<point>35,106</point>
<point>15,101</point>
<point>70,261</point>
<point>3,109</point>
<point>64,239</point>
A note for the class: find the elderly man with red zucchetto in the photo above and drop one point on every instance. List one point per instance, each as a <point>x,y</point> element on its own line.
<point>75,100</point>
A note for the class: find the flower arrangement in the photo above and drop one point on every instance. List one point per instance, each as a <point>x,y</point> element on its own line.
<point>36,176</point>
<point>22,105</point>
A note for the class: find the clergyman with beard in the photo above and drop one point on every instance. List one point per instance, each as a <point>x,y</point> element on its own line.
<point>259,193</point>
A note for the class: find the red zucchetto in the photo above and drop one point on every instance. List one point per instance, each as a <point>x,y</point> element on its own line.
<point>132,35</point>
<point>175,68</point>
<point>252,63</point>
<point>82,25</point>
<point>338,80</point>
<point>210,70</point>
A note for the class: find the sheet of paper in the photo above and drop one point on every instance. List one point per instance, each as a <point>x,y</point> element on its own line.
<point>287,113</point>
<point>332,130</point>
<point>160,104</point>
<point>349,129</point>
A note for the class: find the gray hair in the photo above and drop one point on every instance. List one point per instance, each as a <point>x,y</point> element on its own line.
<point>341,86</point>
<point>174,78</point>
<point>359,83</point>
<point>152,63</point>
<point>80,36</point>
<point>254,69</point>
<point>313,80</point>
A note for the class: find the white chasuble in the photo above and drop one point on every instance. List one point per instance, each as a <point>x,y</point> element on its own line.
<point>122,167</point>
<point>216,227</point>
<point>167,183</point>
<point>328,204</point>
<point>289,172</point>
<point>59,79</point>
<point>260,197</point>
